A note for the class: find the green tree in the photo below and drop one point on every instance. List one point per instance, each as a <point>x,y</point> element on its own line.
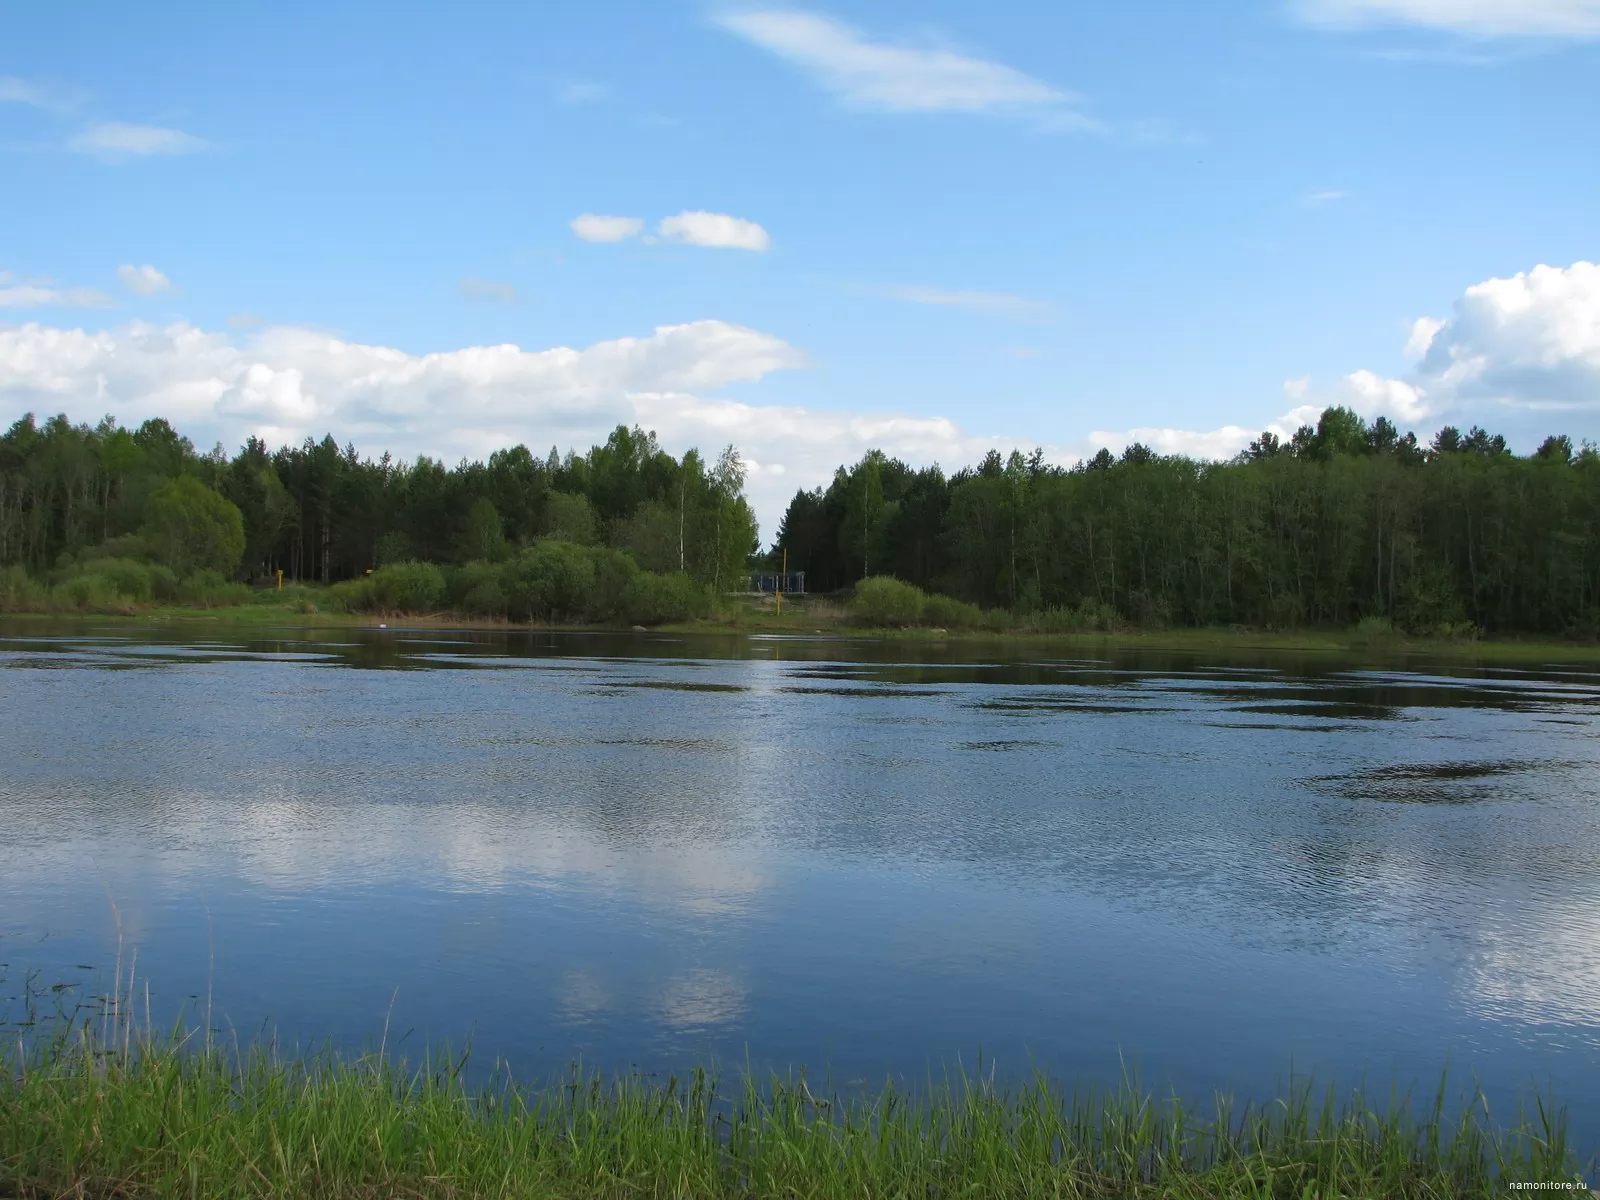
<point>192,528</point>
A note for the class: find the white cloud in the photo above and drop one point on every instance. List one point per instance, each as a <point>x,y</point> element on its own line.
<point>889,77</point>
<point>20,91</point>
<point>1328,196</point>
<point>713,229</point>
<point>1532,340</point>
<point>488,289</point>
<point>1477,18</point>
<point>117,140</point>
<point>42,294</point>
<point>284,383</point>
<point>1422,331</point>
<point>1528,342</point>
<point>143,281</point>
<point>996,303</point>
<point>592,227</point>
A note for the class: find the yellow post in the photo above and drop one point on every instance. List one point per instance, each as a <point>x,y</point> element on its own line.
<point>280,579</point>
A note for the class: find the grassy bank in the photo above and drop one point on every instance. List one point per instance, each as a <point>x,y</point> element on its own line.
<point>85,1117</point>
<point>304,606</point>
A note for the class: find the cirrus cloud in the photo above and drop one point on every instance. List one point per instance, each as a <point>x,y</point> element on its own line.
<point>115,141</point>
<point>890,77</point>
<point>1476,18</point>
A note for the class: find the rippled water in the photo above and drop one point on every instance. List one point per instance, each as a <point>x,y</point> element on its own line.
<point>869,859</point>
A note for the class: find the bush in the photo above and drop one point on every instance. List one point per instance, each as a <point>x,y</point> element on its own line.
<point>996,620</point>
<point>130,579</point>
<point>352,595</point>
<point>549,581</point>
<point>1087,616</point>
<point>1374,629</point>
<point>653,599</point>
<point>460,582</point>
<point>883,600</point>
<point>89,593</point>
<point>407,587</point>
<point>485,600</point>
<point>163,582</point>
<point>946,612</point>
<point>20,593</point>
<point>613,572</point>
<point>208,589</point>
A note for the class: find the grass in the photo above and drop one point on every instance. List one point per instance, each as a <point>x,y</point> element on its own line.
<point>299,607</point>
<point>104,1107</point>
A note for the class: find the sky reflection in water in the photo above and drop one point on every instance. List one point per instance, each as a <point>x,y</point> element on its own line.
<point>868,859</point>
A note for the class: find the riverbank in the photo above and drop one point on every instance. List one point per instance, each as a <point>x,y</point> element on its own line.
<point>819,617</point>
<point>137,1117</point>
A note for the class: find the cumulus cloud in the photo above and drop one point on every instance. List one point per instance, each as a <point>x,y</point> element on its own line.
<point>1532,340</point>
<point>488,289</point>
<point>700,228</point>
<point>143,281</point>
<point>1525,343</point>
<point>890,77</point>
<point>114,141</point>
<point>593,227</point>
<point>1476,18</point>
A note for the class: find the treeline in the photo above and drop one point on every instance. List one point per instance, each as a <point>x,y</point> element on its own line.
<point>103,495</point>
<point>1344,522</point>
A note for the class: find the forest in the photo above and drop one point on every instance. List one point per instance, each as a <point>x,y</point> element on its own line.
<point>97,512</point>
<point>1345,522</point>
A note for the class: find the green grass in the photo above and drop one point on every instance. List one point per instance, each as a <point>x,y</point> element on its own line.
<point>104,1108</point>
<point>308,607</point>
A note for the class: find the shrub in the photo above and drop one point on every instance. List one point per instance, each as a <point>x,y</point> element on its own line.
<point>485,600</point>
<point>1374,629</point>
<point>996,620</point>
<point>1084,617</point>
<point>883,600</point>
<point>163,582</point>
<point>89,593</point>
<point>946,612</point>
<point>352,595</point>
<point>461,582</point>
<point>20,593</point>
<point>407,587</point>
<point>653,599</point>
<point>550,581</point>
<point>208,589</point>
<point>613,572</point>
<point>130,579</point>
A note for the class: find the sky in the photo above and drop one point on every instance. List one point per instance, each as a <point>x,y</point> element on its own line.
<point>934,228</point>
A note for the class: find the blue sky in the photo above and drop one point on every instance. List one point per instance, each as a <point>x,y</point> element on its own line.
<point>933,227</point>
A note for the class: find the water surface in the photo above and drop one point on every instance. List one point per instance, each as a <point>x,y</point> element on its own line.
<point>871,859</point>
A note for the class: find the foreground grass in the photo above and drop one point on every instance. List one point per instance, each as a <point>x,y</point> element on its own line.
<point>162,1117</point>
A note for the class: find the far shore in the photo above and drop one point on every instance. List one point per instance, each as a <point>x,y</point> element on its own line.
<point>813,619</point>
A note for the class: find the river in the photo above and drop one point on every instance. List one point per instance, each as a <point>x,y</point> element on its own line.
<point>872,859</point>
